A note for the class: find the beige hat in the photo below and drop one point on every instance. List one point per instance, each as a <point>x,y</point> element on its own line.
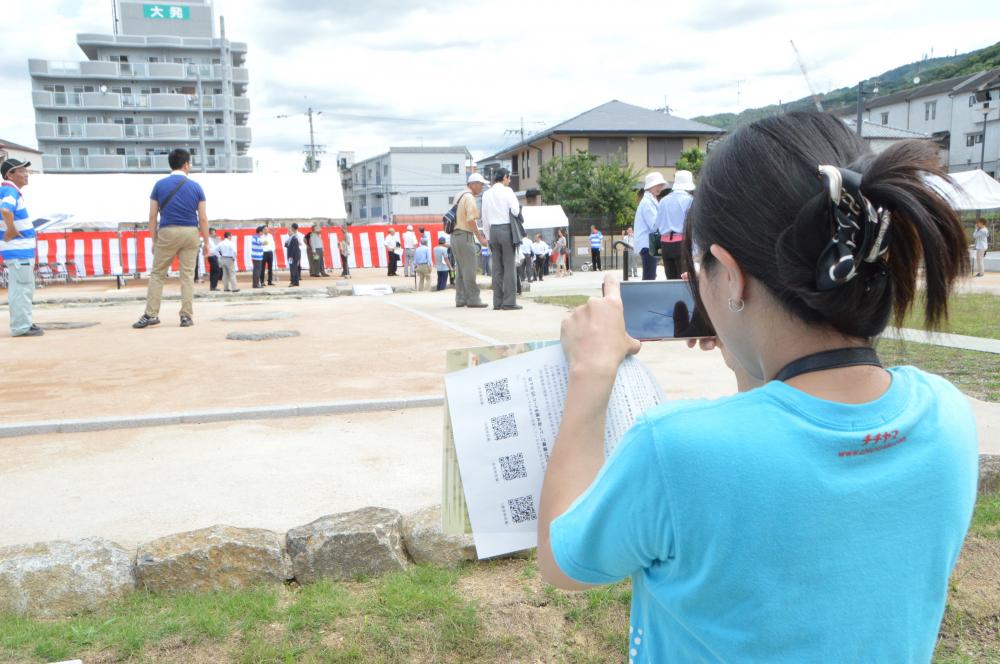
<point>409,227</point>
<point>653,179</point>
<point>683,181</point>
<point>476,177</point>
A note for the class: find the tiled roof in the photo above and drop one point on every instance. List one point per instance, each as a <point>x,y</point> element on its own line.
<point>875,130</point>
<point>984,81</point>
<point>616,117</point>
<point>954,85</point>
<point>15,146</point>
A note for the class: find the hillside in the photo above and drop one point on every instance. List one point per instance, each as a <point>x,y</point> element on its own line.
<point>894,80</point>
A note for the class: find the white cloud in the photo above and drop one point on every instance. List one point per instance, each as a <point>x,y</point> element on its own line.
<point>389,72</point>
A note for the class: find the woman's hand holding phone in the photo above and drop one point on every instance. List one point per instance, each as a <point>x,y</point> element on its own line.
<point>594,337</point>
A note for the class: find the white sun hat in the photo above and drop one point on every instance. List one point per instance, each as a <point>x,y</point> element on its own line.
<point>653,179</point>
<point>683,181</point>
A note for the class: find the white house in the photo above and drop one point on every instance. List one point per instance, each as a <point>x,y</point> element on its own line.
<point>405,181</point>
<point>952,113</point>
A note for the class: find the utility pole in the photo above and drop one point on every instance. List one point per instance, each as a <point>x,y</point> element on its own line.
<point>201,118</point>
<point>311,149</point>
<point>227,85</point>
<point>982,152</point>
<point>114,16</point>
<point>516,132</point>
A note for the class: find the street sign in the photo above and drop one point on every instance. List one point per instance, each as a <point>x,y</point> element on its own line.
<point>167,12</point>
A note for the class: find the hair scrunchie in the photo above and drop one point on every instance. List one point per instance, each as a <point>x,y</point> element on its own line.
<point>860,232</point>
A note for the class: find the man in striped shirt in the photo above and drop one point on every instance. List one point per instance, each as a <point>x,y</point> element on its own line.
<point>18,248</point>
<point>257,257</point>
<point>596,242</point>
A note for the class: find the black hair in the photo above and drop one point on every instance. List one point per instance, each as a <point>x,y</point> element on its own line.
<point>227,234</point>
<point>295,227</point>
<point>762,200</point>
<point>500,174</point>
<point>260,229</point>
<point>177,158</point>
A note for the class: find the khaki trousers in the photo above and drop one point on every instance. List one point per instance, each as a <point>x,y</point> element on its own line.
<point>467,253</point>
<point>182,242</point>
<point>424,275</point>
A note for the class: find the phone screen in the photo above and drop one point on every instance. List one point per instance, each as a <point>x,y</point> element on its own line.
<point>663,310</point>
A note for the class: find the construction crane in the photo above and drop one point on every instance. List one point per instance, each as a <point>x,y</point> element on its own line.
<point>802,66</point>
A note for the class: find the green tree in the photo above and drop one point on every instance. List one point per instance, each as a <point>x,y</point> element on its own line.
<point>567,181</point>
<point>691,160</point>
<point>581,185</point>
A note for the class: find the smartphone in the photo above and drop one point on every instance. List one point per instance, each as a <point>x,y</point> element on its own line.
<point>663,310</point>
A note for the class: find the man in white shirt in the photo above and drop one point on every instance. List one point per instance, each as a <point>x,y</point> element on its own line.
<point>498,204</point>
<point>645,222</point>
<point>214,269</point>
<point>409,251</point>
<point>268,267</point>
<point>227,260</point>
<point>527,265</point>
<point>391,244</point>
<point>541,251</point>
<point>633,258</point>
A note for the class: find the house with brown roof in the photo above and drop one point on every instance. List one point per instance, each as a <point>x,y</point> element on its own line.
<point>647,140</point>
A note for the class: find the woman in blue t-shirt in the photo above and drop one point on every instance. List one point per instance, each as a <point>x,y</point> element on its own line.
<point>815,516</point>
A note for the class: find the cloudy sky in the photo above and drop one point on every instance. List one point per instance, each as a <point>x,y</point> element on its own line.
<point>392,72</point>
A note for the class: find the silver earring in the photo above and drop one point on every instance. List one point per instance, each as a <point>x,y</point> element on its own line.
<point>736,308</point>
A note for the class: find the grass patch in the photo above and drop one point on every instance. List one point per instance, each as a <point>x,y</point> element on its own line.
<point>976,374</point>
<point>971,314</point>
<point>986,518</point>
<point>568,301</point>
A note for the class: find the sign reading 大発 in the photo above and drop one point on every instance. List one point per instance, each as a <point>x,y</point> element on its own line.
<point>176,12</point>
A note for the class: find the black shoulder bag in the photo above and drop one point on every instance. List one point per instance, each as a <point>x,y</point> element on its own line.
<point>172,193</point>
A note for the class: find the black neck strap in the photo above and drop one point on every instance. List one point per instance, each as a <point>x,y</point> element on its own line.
<point>829,359</point>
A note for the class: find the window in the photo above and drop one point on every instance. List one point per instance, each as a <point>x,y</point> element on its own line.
<point>973,139</point>
<point>663,152</point>
<point>930,110</point>
<point>885,118</point>
<point>385,170</point>
<point>419,201</point>
<point>449,169</point>
<point>608,149</point>
<point>972,100</point>
<point>451,200</point>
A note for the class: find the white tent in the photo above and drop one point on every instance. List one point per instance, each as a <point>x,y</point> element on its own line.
<point>105,202</point>
<point>975,190</point>
<point>537,217</point>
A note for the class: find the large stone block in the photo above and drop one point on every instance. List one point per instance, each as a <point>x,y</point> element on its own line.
<point>216,558</point>
<point>52,579</point>
<point>427,544</point>
<point>366,542</point>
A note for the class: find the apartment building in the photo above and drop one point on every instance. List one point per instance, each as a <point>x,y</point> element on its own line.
<point>962,114</point>
<point>404,181</point>
<point>162,81</point>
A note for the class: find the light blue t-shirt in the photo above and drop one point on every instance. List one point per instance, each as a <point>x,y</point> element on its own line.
<point>773,526</point>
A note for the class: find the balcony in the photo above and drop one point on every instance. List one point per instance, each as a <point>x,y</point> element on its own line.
<point>241,104</point>
<point>242,134</point>
<point>118,132</point>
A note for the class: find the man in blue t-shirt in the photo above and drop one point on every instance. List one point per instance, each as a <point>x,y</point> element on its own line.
<point>180,205</point>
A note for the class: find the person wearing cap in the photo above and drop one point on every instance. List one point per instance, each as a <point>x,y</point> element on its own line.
<point>645,222</point>
<point>18,248</point>
<point>409,250</point>
<point>464,244</point>
<point>391,244</point>
<point>499,203</point>
<point>670,217</point>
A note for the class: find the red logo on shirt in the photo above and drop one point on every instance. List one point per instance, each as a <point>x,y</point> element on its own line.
<point>876,442</point>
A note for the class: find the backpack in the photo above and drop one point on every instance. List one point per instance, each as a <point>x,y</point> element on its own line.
<point>450,218</point>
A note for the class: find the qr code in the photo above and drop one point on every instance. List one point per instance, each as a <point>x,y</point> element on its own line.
<point>497,391</point>
<point>504,426</point>
<point>512,467</point>
<point>522,509</point>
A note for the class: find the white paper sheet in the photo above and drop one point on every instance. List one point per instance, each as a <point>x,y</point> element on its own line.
<point>505,416</point>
